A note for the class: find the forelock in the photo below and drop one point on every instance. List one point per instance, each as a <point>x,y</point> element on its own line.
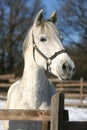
<point>49,27</point>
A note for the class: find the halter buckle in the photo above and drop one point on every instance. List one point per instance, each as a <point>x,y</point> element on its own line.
<point>49,61</point>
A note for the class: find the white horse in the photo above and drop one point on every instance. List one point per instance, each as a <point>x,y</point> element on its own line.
<point>43,52</point>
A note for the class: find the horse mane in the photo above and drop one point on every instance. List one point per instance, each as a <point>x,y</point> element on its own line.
<point>26,42</point>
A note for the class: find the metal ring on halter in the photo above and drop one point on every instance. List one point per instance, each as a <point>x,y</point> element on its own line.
<point>49,61</point>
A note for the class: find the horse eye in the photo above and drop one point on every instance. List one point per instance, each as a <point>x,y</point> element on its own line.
<point>43,39</point>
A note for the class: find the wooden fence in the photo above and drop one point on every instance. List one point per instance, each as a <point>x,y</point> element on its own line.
<point>6,81</point>
<point>74,89</point>
<point>56,118</point>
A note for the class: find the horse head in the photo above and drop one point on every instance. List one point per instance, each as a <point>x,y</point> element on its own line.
<point>48,51</point>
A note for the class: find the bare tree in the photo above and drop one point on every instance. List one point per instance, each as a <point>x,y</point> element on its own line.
<point>16,18</point>
<point>73,22</point>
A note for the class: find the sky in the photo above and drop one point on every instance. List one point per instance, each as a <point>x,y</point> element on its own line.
<point>50,6</point>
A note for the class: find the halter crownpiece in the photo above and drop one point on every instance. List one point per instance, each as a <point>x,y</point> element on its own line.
<point>48,59</point>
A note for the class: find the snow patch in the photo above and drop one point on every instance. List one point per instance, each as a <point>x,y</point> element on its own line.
<point>2,104</point>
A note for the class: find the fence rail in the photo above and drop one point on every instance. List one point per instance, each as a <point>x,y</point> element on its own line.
<point>54,119</point>
<point>20,114</point>
<point>75,89</point>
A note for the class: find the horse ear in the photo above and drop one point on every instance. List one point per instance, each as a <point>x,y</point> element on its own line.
<point>53,17</point>
<point>39,18</point>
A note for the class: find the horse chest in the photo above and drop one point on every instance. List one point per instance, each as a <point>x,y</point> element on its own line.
<point>36,95</point>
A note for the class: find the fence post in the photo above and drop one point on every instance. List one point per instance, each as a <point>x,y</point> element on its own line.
<point>81,91</point>
<point>45,125</point>
<point>57,105</point>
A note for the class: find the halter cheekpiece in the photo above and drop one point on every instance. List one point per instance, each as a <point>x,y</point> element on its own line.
<point>48,59</point>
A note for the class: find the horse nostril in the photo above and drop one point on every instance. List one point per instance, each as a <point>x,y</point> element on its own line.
<point>65,67</point>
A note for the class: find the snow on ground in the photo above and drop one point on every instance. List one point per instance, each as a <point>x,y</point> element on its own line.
<point>75,114</point>
<point>2,103</point>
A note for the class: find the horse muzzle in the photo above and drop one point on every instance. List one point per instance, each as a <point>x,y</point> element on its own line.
<point>67,71</point>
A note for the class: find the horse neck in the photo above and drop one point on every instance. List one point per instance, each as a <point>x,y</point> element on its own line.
<point>31,69</point>
<point>35,75</point>
<point>36,87</point>
<point>36,81</point>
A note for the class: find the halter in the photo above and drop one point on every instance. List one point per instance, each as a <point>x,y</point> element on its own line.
<point>48,59</point>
